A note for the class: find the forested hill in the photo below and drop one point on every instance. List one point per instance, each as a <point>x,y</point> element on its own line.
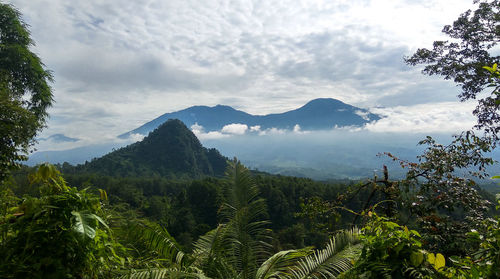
<point>171,150</point>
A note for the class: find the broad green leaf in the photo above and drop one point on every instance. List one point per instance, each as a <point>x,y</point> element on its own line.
<point>85,223</point>
<point>440,261</point>
<point>431,258</point>
<point>416,258</point>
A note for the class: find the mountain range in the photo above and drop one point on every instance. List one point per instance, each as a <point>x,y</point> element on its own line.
<point>318,114</point>
<point>278,154</point>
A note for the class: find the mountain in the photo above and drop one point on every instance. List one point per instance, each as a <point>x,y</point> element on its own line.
<point>318,114</point>
<point>73,156</point>
<point>171,150</point>
<point>59,138</point>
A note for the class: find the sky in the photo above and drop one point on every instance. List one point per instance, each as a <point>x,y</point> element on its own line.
<point>118,64</point>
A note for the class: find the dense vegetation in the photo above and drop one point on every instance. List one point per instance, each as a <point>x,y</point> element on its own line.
<point>154,209</point>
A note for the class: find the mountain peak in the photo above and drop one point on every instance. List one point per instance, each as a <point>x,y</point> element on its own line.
<point>170,150</point>
<point>326,102</point>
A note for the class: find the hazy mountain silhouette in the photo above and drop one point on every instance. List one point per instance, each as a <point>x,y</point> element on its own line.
<point>318,114</point>
<point>59,138</point>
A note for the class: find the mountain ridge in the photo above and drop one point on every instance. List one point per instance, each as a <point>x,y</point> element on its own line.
<point>317,114</point>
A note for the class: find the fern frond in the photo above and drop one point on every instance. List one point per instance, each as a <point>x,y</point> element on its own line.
<point>210,245</point>
<point>337,257</point>
<point>159,240</point>
<point>164,273</point>
<point>280,263</point>
<point>210,253</point>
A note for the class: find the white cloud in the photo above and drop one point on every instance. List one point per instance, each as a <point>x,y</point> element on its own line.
<point>255,128</point>
<point>298,130</point>
<point>136,137</point>
<point>445,117</point>
<point>273,131</point>
<point>199,132</point>
<point>363,115</point>
<point>235,129</point>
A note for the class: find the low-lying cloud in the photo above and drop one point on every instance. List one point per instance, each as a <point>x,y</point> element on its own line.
<point>235,129</point>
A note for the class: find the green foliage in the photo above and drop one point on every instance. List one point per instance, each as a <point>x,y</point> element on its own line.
<point>394,251</point>
<point>446,205</point>
<point>279,264</point>
<point>24,91</point>
<point>485,262</point>
<point>242,212</point>
<point>321,215</point>
<point>59,235</point>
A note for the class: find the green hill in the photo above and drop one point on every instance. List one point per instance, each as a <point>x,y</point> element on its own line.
<point>171,150</point>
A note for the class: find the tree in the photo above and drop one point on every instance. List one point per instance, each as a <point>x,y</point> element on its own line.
<point>439,191</point>
<point>474,35</point>
<point>25,93</point>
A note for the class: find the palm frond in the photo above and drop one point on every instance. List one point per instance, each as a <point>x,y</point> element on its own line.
<point>243,211</point>
<point>209,253</point>
<point>336,258</point>
<point>210,245</point>
<point>159,240</point>
<point>164,273</point>
<point>279,264</point>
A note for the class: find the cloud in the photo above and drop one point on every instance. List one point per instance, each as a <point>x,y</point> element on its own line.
<point>444,117</point>
<point>273,131</point>
<point>200,133</point>
<point>255,128</point>
<point>136,137</point>
<point>235,129</point>
<point>118,64</point>
<point>363,115</point>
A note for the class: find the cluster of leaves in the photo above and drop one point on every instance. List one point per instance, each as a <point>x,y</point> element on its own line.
<point>446,204</point>
<point>60,234</point>
<point>485,261</point>
<point>394,251</point>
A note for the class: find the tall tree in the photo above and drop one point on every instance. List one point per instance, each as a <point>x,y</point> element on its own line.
<point>473,37</point>
<point>439,189</point>
<point>25,93</point>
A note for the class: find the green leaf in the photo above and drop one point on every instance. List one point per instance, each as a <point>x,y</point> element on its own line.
<point>431,258</point>
<point>416,258</point>
<point>85,223</point>
<point>440,261</point>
